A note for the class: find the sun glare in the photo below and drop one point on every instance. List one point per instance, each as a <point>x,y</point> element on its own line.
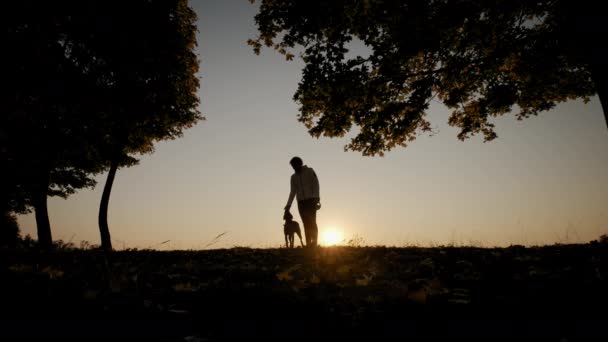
<point>330,237</point>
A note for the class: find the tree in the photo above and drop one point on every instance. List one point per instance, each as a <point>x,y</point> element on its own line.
<point>92,83</point>
<point>42,141</point>
<point>141,56</point>
<point>482,59</point>
<point>9,229</point>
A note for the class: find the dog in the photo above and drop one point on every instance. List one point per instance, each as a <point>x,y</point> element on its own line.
<point>290,228</point>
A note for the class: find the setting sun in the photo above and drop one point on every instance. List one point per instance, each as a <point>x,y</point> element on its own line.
<point>330,237</point>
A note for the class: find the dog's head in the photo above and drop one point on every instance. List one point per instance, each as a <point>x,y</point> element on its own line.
<point>287,216</point>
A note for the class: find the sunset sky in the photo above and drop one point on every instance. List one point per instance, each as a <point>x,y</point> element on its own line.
<point>544,180</point>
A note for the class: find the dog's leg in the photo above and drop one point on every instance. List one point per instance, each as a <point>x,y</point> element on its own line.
<point>300,236</point>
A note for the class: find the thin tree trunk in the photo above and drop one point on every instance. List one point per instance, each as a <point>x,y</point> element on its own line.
<point>600,78</point>
<point>591,23</point>
<point>603,94</point>
<point>582,23</point>
<point>43,225</point>
<point>106,242</point>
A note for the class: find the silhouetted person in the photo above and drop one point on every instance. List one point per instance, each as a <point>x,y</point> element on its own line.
<point>305,187</point>
<point>290,228</point>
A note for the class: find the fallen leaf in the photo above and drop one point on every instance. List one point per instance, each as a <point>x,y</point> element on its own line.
<point>372,299</point>
<point>53,273</point>
<point>178,311</point>
<point>183,287</point>
<point>364,281</point>
<point>343,269</point>
<point>284,276</point>
<point>20,268</point>
<point>299,284</point>
<point>418,296</point>
<point>435,284</point>
<point>90,294</point>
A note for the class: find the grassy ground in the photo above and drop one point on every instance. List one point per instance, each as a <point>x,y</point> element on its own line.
<point>556,293</point>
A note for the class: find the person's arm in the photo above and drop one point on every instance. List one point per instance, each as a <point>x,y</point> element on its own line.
<point>292,193</point>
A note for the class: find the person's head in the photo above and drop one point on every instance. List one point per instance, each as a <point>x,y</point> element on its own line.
<point>296,163</point>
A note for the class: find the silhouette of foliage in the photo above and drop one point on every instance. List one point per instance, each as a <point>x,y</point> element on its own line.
<point>482,59</point>
<point>9,230</point>
<point>91,83</point>
<point>42,136</point>
<point>141,56</point>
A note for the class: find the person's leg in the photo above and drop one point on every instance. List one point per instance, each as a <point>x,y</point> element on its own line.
<point>314,229</point>
<point>305,215</point>
<point>308,213</point>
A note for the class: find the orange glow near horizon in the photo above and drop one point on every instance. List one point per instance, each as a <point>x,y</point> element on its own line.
<point>331,237</point>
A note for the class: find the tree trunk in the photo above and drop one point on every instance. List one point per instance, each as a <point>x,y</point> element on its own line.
<point>592,19</point>
<point>43,225</point>
<point>106,242</point>
<point>582,23</point>
<point>600,78</point>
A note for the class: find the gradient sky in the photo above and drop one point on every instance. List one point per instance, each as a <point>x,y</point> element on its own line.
<point>544,180</point>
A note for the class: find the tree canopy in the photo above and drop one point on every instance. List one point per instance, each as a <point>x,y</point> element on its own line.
<point>141,56</point>
<point>43,142</point>
<point>88,85</point>
<point>481,59</point>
